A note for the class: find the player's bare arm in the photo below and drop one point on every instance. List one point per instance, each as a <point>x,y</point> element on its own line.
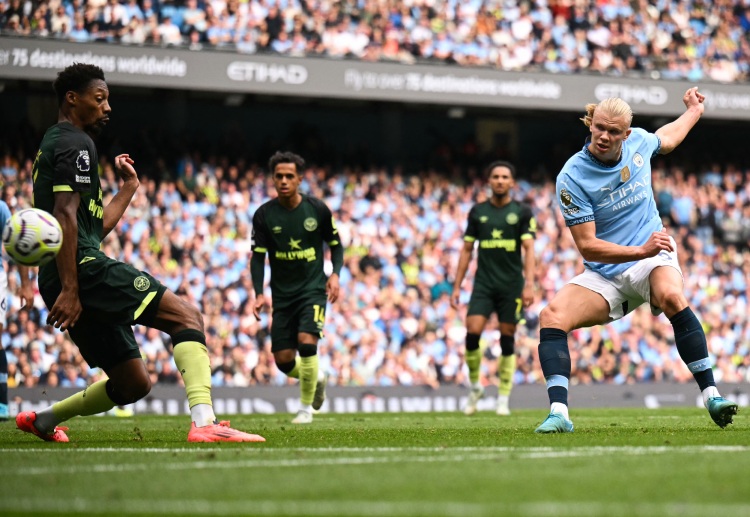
<point>259,305</point>
<point>463,265</point>
<point>67,308</point>
<point>332,287</point>
<point>529,272</point>
<point>674,133</point>
<point>597,250</point>
<point>26,291</point>
<point>130,183</point>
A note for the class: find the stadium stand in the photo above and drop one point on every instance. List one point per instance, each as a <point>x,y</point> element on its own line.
<point>678,39</point>
<point>394,324</point>
<point>190,225</point>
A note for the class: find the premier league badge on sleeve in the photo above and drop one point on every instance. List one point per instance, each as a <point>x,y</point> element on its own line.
<point>83,162</point>
<point>565,197</point>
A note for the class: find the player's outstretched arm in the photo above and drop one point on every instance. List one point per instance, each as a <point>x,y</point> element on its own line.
<point>674,133</point>
<point>130,183</point>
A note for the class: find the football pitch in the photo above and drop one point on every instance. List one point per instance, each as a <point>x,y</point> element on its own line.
<point>618,462</point>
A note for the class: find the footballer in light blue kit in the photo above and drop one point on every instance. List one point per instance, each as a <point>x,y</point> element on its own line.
<point>4,413</point>
<point>615,197</point>
<point>26,295</point>
<point>605,194</point>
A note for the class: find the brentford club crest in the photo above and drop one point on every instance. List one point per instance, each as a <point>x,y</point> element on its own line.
<point>310,224</point>
<point>141,283</point>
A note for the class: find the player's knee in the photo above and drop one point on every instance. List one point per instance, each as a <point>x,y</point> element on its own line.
<point>285,356</point>
<point>550,317</point>
<point>140,388</point>
<point>175,314</point>
<point>307,350</point>
<point>124,393</point>
<point>507,344</point>
<point>672,302</point>
<point>286,367</point>
<point>193,318</point>
<point>188,319</point>
<point>472,341</point>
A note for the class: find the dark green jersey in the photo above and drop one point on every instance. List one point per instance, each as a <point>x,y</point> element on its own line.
<point>499,231</point>
<point>294,241</point>
<point>67,161</point>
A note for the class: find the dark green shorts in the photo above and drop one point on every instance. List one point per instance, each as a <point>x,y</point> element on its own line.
<point>307,315</point>
<point>507,306</point>
<point>115,296</point>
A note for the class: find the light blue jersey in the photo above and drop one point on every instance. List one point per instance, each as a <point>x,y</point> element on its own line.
<point>4,216</point>
<point>618,198</point>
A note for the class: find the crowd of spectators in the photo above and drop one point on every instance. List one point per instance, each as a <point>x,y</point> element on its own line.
<point>675,39</point>
<point>393,324</point>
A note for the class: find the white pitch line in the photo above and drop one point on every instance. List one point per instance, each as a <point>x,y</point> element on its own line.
<point>474,454</point>
<point>627,449</point>
<point>244,464</point>
<point>355,508</point>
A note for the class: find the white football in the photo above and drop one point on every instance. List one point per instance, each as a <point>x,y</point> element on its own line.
<point>32,237</point>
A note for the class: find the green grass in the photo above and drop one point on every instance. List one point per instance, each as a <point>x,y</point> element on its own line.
<point>619,462</point>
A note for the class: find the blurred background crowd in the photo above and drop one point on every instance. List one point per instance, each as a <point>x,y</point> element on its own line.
<point>190,222</point>
<point>393,324</point>
<point>671,39</point>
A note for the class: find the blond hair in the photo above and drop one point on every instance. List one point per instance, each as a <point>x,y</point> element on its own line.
<point>614,107</point>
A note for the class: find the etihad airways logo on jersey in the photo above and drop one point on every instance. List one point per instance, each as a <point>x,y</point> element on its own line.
<point>629,194</point>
